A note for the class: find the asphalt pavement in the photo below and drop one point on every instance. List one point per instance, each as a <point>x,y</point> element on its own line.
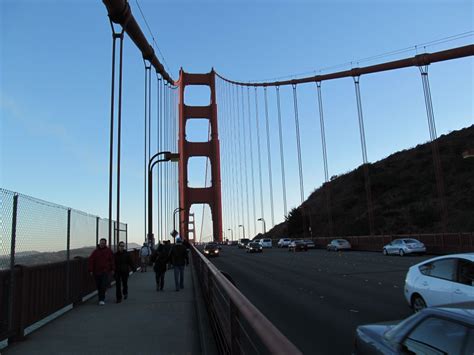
<point>318,298</point>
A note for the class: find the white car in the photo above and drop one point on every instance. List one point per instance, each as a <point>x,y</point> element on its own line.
<point>404,246</point>
<point>442,280</point>
<point>284,242</point>
<point>266,243</point>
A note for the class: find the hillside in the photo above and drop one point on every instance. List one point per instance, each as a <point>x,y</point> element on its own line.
<point>404,193</point>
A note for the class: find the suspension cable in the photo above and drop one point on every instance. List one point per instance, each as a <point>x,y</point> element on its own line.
<point>364,156</point>
<point>269,157</point>
<point>231,166</point>
<point>115,36</point>
<point>259,156</point>
<point>145,138</point>
<point>282,157</point>
<point>298,142</point>
<point>158,120</point>
<point>325,158</point>
<point>252,163</point>
<point>239,135</point>
<point>434,146</point>
<point>245,161</point>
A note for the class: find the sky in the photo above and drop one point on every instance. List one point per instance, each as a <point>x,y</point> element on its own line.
<point>55,59</point>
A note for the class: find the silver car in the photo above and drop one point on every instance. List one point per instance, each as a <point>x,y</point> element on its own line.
<point>404,246</point>
<point>338,244</point>
<point>436,330</point>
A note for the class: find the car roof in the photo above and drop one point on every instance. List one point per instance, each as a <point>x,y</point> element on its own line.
<point>468,256</point>
<point>462,311</point>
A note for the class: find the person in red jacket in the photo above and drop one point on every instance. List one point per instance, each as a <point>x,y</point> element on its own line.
<point>101,264</point>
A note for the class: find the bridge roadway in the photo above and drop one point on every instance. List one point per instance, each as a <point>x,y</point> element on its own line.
<point>317,298</point>
<point>148,322</point>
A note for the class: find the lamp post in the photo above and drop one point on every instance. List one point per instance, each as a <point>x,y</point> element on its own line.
<point>243,229</point>
<point>231,234</point>
<point>167,156</point>
<point>264,225</point>
<point>177,209</point>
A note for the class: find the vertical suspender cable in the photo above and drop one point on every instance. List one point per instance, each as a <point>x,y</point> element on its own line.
<point>364,156</point>
<point>230,145</point>
<point>119,137</point>
<point>269,157</point>
<point>145,151</point>
<point>251,163</point>
<point>227,140</point>
<point>165,180</point>
<point>245,162</point>
<point>325,158</point>
<point>237,182</point>
<point>282,157</point>
<point>158,120</point>
<point>259,156</point>
<point>239,138</point>
<point>434,146</point>
<point>160,166</point>
<point>298,142</point>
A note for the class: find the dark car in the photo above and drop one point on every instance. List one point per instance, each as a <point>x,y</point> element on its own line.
<point>253,247</point>
<point>298,245</point>
<point>211,249</point>
<point>437,330</point>
<point>243,243</point>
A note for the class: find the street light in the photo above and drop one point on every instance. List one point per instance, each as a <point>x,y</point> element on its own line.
<point>167,156</point>
<point>231,234</point>
<point>264,225</point>
<point>177,209</point>
<point>243,229</point>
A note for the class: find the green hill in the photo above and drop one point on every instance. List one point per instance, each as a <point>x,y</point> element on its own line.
<point>404,194</point>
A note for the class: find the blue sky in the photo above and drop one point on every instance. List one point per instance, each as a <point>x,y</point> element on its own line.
<point>55,86</point>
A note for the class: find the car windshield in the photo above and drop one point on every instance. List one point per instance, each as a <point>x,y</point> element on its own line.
<point>341,241</point>
<point>267,240</point>
<point>253,245</point>
<point>392,332</point>
<point>410,241</point>
<point>210,246</point>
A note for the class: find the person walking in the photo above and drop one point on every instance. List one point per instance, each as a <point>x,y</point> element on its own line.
<point>160,258</point>
<point>145,253</point>
<point>101,264</point>
<point>123,265</point>
<point>179,258</point>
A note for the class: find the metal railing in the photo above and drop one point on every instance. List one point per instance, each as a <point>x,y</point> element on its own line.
<point>42,251</point>
<point>238,326</point>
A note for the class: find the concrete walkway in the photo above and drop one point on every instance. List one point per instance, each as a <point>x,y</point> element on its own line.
<point>148,322</point>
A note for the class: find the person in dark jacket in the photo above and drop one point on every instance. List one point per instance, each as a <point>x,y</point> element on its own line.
<point>179,257</point>
<point>160,257</point>
<point>101,264</point>
<point>123,265</point>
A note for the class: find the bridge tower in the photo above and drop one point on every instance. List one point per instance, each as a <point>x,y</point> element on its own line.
<point>210,195</point>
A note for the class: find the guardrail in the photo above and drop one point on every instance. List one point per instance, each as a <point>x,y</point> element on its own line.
<point>238,326</point>
<point>39,291</point>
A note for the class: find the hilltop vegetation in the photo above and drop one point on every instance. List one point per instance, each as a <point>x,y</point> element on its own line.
<point>404,194</point>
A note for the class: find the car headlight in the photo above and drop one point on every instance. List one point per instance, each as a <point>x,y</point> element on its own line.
<point>206,251</point>
<point>217,251</point>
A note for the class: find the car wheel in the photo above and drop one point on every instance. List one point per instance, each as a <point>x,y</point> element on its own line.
<point>418,303</point>
<point>401,252</point>
<point>385,252</point>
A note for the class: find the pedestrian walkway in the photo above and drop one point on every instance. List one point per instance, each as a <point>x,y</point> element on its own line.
<point>148,322</point>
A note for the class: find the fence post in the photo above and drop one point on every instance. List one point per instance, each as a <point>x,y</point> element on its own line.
<point>68,247</point>
<point>97,230</point>
<point>12,263</point>
<point>126,236</point>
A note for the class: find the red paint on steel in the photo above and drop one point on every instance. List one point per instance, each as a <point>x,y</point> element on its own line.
<point>209,195</point>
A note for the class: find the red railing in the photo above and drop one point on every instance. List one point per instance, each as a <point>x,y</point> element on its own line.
<point>41,290</point>
<point>238,326</point>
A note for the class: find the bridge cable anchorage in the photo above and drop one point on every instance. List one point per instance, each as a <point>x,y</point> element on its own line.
<point>269,157</point>
<point>252,162</point>
<point>282,157</point>
<point>115,36</point>
<point>298,141</point>
<point>327,188</point>
<point>364,157</point>
<point>434,147</point>
<point>158,120</point>
<point>146,152</point>
<point>245,162</point>
<point>259,155</point>
<point>239,133</point>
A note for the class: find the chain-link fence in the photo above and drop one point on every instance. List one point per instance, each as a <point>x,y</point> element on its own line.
<point>35,232</point>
